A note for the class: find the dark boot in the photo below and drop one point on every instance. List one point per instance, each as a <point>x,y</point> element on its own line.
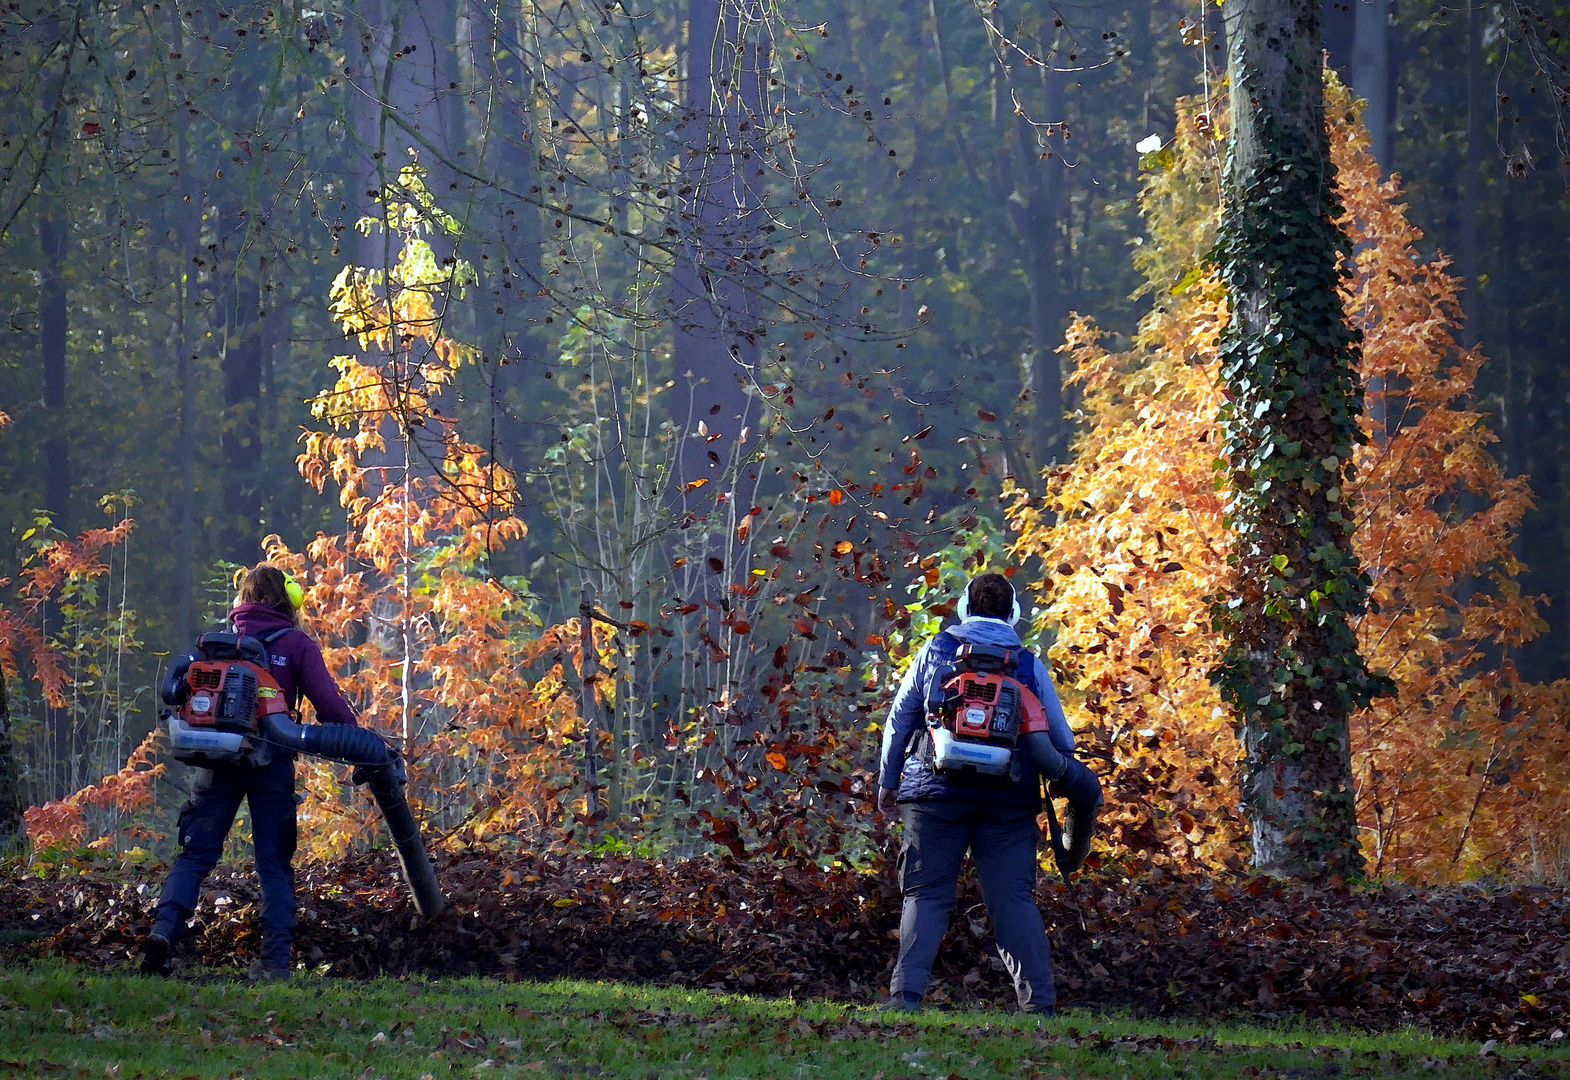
<point>262,971</point>
<point>157,956</point>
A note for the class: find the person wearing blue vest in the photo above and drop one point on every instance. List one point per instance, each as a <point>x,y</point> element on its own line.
<point>946,813</point>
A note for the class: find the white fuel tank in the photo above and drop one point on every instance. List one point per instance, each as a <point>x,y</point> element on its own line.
<point>951,753</point>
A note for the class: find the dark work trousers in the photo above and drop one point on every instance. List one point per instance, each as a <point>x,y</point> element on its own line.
<point>1002,841</point>
<point>205,822</point>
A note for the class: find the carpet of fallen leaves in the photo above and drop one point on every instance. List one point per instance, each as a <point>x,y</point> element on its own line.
<point>1488,962</point>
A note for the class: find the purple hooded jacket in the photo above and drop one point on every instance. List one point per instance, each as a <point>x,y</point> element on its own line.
<point>297,663</point>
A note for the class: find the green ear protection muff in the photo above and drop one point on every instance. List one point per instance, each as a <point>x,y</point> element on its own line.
<point>963,610</point>
<point>292,588</point>
<point>296,592</point>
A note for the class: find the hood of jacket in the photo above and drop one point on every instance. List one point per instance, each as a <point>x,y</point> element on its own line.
<point>258,619</point>
<point>985,630</point>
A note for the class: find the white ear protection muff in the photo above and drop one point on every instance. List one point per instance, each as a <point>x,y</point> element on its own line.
<point>963,611</point>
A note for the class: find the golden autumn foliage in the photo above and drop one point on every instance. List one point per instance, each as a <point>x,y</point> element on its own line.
<point>1463,770</point>
<point>484,714</point>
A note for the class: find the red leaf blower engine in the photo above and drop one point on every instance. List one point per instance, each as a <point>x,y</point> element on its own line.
<point>979,716</point>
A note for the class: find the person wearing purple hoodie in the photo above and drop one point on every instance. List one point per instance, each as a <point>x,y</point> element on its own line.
<point>267,611</point>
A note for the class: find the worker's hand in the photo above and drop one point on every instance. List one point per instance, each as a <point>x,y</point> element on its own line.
<point>888,801</point>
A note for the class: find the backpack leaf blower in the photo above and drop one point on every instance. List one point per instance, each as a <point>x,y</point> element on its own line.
<point>981,717</point>
<point>227,711</point>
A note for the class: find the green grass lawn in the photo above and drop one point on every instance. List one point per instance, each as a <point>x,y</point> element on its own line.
<point>60,1021</point>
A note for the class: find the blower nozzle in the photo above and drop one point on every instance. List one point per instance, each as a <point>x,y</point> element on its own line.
<point>379,766</point>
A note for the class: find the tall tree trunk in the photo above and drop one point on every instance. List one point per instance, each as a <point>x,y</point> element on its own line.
<point>13,829</point>
<point>1291,669</point>
<point>407,78</point>
<point>715,337</point>
<point>189,212</point>
<point>53,314</point>
<point>715,333</point>
<point>1371,73</point>
<point>408,81</point>
<point>235,315</point>
<point>236,281</point>
<point>53,323</point>
<point>1472,176</point>
<point>511,228</point>
<point>1512,432</point>
<point>1044,182</point>
<point>1370,78</point>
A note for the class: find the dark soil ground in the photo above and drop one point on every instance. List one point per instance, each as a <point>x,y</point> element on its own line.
<point>1476,961</point>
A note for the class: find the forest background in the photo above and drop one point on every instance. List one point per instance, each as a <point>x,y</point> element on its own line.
<point>486,275</point>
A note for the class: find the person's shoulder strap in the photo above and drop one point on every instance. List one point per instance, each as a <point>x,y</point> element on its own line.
<point>940,649</point>
<point>1021,669</point>
<point>271,636</point>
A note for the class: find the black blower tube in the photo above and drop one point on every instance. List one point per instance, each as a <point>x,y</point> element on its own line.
<point>379,767</point>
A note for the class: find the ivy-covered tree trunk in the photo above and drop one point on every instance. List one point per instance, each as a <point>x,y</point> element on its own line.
<point>1291,670</point>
